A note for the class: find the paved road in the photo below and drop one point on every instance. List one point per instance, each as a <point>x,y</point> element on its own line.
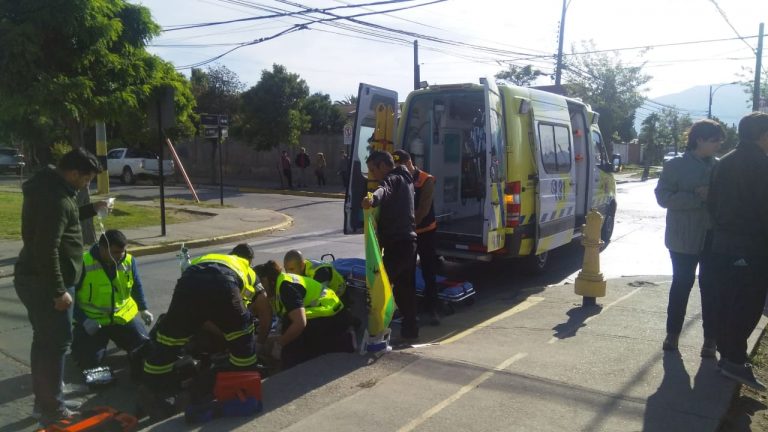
<point>637,249</point>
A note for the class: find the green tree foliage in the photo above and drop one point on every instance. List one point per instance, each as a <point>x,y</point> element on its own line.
<point>347,100</point>
<point>731,136</point>
<point>522,76</point>
<point>651,130</point>
<point>748,82</point>
<point>75,62</point>
<point>217,90</point>
<point>272,110</point>
<point>611,87</point>
<point>325,117</point>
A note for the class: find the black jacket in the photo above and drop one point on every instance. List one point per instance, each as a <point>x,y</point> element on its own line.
<point>52,256</point>
<point>738,203</point>
<point>395,198</point>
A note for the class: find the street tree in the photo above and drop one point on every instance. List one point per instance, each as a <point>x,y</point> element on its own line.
<point>324,116</point>
<point>522,76</point>
<point>612,88</point>
<point>272,110</point>
<point>748,83</point>
<point>650,138</point>
<point>216,89</point>
<point>74,63</point>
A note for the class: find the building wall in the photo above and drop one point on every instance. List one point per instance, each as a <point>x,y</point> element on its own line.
<point>243,162</point>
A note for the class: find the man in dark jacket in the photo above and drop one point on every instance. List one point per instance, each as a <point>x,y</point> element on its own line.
<point>49,265</point>
<point>396,232</point>
<point>738,202</point>
<point>302,162</point>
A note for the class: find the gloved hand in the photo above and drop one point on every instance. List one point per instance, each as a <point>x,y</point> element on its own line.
<point>91,326</point>
<point>147,317</point>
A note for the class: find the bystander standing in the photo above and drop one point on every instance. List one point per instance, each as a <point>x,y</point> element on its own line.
<point>302,163</point>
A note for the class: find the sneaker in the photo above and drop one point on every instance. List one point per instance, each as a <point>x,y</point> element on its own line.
<point>742,374</point>
<point>64,414</point>
<point>670,342</point>
<point>70,405</point>
<point>709,349</point>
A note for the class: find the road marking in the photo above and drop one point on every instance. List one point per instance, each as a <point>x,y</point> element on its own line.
<point>605,308</point>
<point>461,392</point>
<point>530,301</point>
<point>287,245</point>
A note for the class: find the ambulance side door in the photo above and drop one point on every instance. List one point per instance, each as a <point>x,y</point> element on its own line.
<point>494,224</point>
<point>368,98</point>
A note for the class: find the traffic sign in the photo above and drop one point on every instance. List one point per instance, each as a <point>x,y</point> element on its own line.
<point>348,134</point>
<point>209,119</point>
<point>223,120</point>
<point>211,132</point>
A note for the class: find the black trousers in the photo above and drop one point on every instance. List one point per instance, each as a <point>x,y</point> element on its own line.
<point>400,263</point>
<point>426,249</point>
<point>320,336</point>
<point>742,283</point>
<point>194,303</point>
<point>289,176</point>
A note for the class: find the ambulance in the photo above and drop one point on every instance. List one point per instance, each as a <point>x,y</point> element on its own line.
<point>517,169</point>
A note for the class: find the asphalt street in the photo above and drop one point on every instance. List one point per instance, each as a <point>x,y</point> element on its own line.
<point>637,249</point>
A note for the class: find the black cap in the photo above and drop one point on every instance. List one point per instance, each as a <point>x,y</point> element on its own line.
<point>401,156</point>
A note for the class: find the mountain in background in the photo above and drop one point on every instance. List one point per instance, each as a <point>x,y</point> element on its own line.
<point>729,103</point>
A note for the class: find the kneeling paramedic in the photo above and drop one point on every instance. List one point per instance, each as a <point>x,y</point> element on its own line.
<point>109,302</point>
<point>215,288</point>
<point>314,321</point>
<point>319,271</point>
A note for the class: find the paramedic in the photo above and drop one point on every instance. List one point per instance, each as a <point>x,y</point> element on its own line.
<point>314,321</point>
<point>426,226</point>
<point>109,302</point>
<point>216,288</point>
<point>395,230</point>
<point>320,271</point>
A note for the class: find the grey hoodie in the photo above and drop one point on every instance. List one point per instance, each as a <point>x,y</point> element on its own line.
<point>687,218</point>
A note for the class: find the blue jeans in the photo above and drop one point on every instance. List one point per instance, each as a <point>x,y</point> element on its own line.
<point>51,337</point>
<point>89,351</point>
<point>683,277</point>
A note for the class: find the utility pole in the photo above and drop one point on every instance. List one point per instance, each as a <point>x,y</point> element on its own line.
<point>416,67</point>
<point>559,67</point>
<point>709,110</point>
<point>758,69</point>
<point>102,180</point>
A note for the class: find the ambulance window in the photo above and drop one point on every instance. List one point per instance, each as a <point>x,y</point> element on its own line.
<point>600,155</point>
<point>555,148</point>
<point>363,150</point>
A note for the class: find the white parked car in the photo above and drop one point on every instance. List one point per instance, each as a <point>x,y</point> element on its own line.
<point>11,160</point>
<point>670,156</point>
<point>132,164</point>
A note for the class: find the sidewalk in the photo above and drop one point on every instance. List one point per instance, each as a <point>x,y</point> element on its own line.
<point>536,362</point>
<point>332,190</point>
<point>221,225</point>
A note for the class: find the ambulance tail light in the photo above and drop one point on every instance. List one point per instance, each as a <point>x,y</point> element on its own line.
<point>512,201</point>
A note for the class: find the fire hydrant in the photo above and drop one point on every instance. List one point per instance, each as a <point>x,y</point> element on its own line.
<point>590,283</point>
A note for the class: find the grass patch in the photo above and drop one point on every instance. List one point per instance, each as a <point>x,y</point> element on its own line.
<point>124,215</point>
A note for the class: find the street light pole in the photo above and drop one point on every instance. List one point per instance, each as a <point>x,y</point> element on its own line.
<point>559,67</point>
<point>712,93</point>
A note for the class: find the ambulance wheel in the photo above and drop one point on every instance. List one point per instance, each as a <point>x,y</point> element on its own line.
<point>469,301</point>
<point>607,230</point>
<point>537,264</point>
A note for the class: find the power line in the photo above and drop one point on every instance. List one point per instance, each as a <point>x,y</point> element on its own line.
<point>276,15</point>
<point>727,21</point>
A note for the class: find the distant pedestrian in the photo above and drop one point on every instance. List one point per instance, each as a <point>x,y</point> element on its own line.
<point>285,163</point>
<point>302,163</point>
<point>738,202</point>
<point>320,166</point>
<point>682,190</point>
<point>395,230</point>
<point>344,169</point>
<point>49,265</point>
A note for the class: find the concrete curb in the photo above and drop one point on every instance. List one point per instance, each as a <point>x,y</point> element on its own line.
<point>333,195</point>
<point>228,238</point>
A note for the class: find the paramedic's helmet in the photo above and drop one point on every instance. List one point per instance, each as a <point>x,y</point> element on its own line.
<point>401,157</point>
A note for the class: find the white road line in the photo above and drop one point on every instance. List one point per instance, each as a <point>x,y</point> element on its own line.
<point>530,301</point>
<point>605,308</point>
<point>461,392</point>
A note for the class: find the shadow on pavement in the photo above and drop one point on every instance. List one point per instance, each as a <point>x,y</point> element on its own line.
<point>576,318</point>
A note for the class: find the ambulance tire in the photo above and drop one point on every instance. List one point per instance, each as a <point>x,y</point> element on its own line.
<point>606,232</point>
<point>537,264</point>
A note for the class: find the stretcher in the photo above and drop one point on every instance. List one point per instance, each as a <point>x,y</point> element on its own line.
<point>450,291</point>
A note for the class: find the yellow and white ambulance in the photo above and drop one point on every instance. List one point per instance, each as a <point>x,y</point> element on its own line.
<point>517,169</point>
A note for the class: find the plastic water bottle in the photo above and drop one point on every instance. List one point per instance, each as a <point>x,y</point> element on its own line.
<point>184,258</point>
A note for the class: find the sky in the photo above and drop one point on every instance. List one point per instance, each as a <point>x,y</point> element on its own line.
<point>512,29</point>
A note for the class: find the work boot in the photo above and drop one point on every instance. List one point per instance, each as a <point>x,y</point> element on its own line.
<point>742,374</point>
<point>63,414</point>
<point>709,349</point>
<point>70,405</point>
<point>670,343</point>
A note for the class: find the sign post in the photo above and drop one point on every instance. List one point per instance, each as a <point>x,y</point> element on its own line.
<point>215,127</point>
<point>162,116</point>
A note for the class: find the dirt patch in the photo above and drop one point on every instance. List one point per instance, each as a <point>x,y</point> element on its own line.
<point>749,409</point>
